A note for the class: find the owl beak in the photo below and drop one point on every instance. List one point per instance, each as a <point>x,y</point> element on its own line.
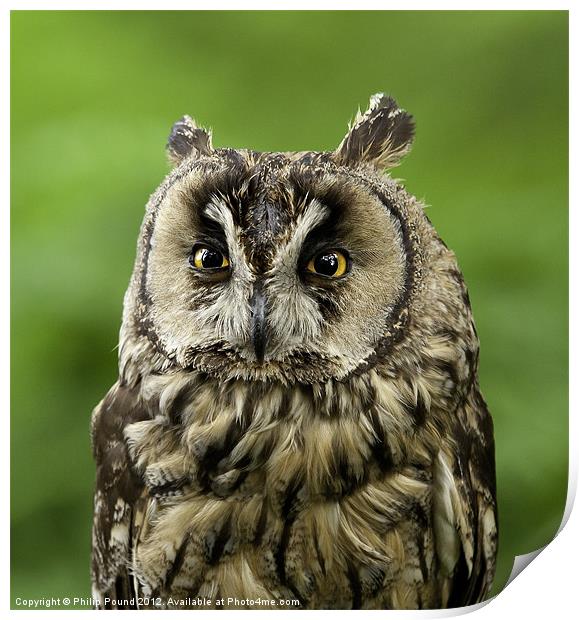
<point>258,322</point>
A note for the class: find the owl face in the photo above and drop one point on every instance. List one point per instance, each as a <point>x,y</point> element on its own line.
<point>275,265</point>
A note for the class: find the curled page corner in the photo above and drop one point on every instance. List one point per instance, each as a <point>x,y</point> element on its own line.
<point>521,562</point>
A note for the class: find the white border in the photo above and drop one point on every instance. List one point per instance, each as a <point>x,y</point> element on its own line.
<point>5,303</point>
<point>376,5</point>
<point>547,586</point>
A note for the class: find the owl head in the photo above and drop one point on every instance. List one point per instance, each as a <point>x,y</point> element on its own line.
<point>291,266</point>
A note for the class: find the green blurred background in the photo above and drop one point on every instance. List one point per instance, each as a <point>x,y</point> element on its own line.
<point>93,97</point>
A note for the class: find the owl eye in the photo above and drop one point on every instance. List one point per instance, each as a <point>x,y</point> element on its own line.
<point>330,264</point>
<point>206,257</point>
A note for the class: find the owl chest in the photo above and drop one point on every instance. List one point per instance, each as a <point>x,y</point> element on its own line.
<point>305,509</point>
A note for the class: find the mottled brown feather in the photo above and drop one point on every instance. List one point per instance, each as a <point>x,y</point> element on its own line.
<point>354,467</point>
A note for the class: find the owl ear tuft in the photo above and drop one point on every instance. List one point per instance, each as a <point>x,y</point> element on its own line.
<point>188,140</point>
<point>381,136</point>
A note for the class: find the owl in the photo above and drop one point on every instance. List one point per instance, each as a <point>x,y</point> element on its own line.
<point>297,421</point>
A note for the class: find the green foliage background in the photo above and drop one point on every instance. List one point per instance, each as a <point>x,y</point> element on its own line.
<point>93,97</point>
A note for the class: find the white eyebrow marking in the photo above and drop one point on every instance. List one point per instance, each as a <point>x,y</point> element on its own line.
<point>315,213</point>
<point>219,212</point>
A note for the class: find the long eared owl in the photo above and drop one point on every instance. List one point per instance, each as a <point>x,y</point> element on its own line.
<point>297,421</point>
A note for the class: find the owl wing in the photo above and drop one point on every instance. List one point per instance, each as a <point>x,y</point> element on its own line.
<point>465,485</point>
<point>117,492</point>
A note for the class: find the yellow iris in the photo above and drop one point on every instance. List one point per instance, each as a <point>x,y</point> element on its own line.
<point>332,264</point>
<point>208,258</point>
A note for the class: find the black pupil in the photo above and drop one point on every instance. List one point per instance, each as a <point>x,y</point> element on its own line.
<point>326,264</point>
<point>210,259</point>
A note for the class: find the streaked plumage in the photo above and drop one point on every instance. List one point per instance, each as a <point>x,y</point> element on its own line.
<point>275,434</point>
